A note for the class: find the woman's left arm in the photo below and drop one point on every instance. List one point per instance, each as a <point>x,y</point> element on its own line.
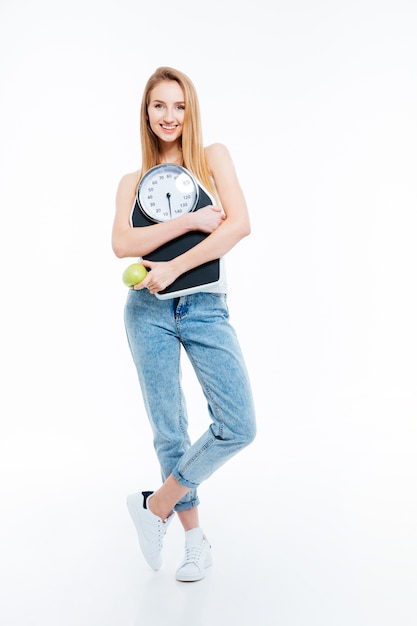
<point>236,226</point>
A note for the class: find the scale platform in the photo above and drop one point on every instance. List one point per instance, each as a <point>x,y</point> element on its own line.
<point>206,275</point>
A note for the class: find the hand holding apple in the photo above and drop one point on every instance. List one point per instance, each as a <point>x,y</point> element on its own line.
<point>134,274</point>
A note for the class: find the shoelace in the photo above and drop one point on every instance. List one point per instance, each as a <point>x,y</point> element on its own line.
<point>192,554</point>
<point>157,534</point>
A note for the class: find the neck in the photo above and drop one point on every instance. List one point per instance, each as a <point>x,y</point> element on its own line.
<point>174,156</point>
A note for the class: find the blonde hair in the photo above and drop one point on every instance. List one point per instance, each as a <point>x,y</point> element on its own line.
<point>192,136</point>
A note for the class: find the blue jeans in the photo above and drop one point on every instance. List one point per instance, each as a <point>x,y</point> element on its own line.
<point>156,330</point>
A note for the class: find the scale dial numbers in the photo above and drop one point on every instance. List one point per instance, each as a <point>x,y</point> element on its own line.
<point>167,191</point>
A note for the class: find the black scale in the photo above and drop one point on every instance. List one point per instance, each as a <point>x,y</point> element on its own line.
<point>165,192</point>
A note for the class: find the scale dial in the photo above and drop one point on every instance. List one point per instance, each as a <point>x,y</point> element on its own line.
<point>167,191</point>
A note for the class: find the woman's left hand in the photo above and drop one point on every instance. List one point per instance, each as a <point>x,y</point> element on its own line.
<point>161,274</point>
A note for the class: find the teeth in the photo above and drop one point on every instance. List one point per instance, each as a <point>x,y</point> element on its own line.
<point>168,127</point>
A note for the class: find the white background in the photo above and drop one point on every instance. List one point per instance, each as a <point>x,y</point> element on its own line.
<point>315,524</point>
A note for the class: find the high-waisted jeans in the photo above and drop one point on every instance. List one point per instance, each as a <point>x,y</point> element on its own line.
<point>156,330</point>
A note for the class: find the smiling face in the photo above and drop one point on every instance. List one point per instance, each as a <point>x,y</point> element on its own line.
<point>166,111</point>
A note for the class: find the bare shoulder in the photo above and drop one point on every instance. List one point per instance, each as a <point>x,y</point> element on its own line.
<point>217,155</point>
<point>129,181</point>
<point>220,164</point>
<point>127,187</point>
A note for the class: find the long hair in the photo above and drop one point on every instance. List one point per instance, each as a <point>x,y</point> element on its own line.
<point>192,136</point>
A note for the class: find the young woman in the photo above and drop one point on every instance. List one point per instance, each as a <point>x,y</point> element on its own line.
<point>196,320</point>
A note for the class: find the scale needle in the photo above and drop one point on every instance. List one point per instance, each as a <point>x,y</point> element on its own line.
<point>169,203</point>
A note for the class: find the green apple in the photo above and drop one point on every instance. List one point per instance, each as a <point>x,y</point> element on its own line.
<point>134,274</point>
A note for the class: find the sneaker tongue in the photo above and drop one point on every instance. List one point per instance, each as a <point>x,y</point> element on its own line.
<point>194,537</point>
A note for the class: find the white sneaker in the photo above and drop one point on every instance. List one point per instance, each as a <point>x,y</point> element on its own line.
<point>151,529</point>
<point>197,556</point>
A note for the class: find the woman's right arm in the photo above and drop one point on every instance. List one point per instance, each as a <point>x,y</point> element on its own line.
<point>138,242</point>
